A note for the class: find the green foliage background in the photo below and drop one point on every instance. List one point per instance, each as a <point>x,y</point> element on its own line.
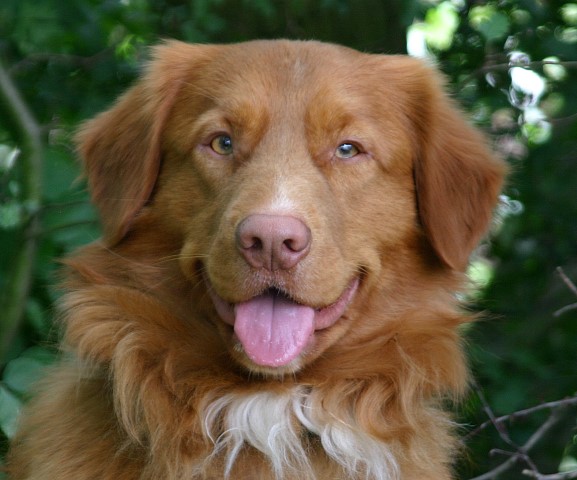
<point>68,60</point>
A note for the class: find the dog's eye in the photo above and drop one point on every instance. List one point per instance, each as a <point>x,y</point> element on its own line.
<point>347,150</point>
<point>222,144</point>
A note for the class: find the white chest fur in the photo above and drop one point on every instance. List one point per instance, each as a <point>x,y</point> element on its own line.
<point>273,424</point>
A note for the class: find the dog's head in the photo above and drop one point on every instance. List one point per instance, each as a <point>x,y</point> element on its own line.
<point>297,179</point>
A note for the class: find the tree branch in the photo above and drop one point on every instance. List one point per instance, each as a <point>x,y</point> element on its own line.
<point>567,402</point>
<point>493,420</point>
<point>571,287</point>
<point>521,453</point>
<point>66,59</point>
<point>567,280</point>
<point>29,134</point>
<point>505,67</point>
<point>554,476</point>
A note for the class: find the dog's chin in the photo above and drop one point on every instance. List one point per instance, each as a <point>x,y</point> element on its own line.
<point>273,335</point>
<point>238,354</point>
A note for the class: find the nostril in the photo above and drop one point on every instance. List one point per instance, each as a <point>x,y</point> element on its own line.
<point>299,243</point>
<point>290,244</point>
<point>253,243</point>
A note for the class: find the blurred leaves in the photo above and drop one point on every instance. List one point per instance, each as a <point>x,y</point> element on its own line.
<point>9,408</point>
<point>511,64</point>
<point>22,372</point>
<point>18,377</point>
<point>439,26</point>
<point>489,21</point>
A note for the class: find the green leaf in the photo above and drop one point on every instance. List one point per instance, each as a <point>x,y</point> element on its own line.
<point>489,22</point>
<point>568,464</point>
<point>22,372</point>
<point>537,133</point>
<point>568,35</point>
<point>555,71</point>
<point>569,13</point>
<point>8,156</point>
<point>9,410</point>
<point>11,215</point>
<point>480,272</point>
<point>441,23</point>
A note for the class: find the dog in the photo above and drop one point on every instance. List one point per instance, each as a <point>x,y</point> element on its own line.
<point>286,226</point>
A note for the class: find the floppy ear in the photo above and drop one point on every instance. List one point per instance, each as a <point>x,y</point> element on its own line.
<point>458,179</point>
<point>121,148</point>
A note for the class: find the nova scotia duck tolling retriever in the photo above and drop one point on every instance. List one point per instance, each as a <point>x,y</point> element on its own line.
<point>286,227</point>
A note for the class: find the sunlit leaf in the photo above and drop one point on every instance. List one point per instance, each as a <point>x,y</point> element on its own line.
<point>569,13</point>
<point>440,25</point>
<point>437,31</point>
<point>555,71</point>
<point>480,273</point>
<point>488,21</point>
<point>520,17</point>
<point>567,35</point>
<point>529,83</point>
<point>127,49</point>
<point>537,133</point>
<point>8,156</point>
<point>568,464</point>
<point>9,409</point>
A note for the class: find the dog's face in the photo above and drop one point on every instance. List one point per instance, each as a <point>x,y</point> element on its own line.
<point>296,178</point>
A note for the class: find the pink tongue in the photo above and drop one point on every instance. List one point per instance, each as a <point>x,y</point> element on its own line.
<point>273,329</point>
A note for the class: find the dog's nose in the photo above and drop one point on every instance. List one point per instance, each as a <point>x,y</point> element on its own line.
<point>274,242</point>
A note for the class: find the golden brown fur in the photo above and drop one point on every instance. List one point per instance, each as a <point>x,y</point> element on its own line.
<point>153,383</point>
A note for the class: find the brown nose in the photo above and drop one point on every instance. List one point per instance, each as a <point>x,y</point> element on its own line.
<point>274,242</point>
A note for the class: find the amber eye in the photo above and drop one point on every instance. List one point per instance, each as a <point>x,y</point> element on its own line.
<point>347,150</point>
<point>222,144</point>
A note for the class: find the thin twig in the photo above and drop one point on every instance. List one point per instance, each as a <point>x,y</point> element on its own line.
<point>567,402</point>
<point>522,452</point>
<point>567,280</point>
<point>505,67</point>
<point>565,309</point>
<point>499,426</point>
<point>502,468</point>
<point>61,58</point>
<point>571,287</point>
<point>553,476</point>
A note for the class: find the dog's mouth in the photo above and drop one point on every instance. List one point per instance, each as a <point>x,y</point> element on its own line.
<point>273,329</point>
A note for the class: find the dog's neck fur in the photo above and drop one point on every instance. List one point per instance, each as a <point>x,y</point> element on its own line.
<point>278,424</point>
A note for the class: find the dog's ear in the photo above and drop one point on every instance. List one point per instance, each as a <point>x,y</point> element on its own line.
<point>458,179</point>
<point>121,147</point>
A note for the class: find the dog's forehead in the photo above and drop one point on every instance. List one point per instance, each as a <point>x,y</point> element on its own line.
<point>284,77</point>
<point>290,60</point>
<point>280,66</point>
